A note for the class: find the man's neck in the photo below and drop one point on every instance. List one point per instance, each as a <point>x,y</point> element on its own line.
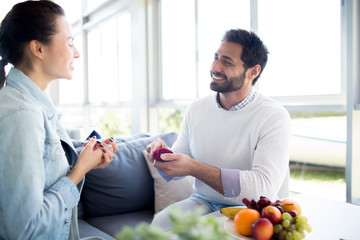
<point>227,100</point>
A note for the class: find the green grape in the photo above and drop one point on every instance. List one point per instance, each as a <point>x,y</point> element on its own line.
<point>282,235</point>
<point>286,216</point>
<point>286,223</point>
<point>277,228</point>
<point>289,236</point>
<point>296,235</point>
<point>302,233</point>
<point>307,227</point>
<point>299,226</point>
<point>291,228</point>
<point>301,219</point>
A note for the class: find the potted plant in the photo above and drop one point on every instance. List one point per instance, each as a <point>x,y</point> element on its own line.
<point>185,226</point>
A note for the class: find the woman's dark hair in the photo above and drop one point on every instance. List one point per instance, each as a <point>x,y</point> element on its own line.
<point>26,21</point>
<point>254,51</point>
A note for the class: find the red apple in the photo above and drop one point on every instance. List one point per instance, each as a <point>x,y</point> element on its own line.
<point>272,213</point>
<point>262,229</point>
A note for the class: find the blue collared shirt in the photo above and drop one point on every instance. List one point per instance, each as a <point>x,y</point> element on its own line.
<point>36,199</point>
<point>241,104</point>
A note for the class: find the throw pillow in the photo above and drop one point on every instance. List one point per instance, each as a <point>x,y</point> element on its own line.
<point>167,193</point>
<point>126,185</point>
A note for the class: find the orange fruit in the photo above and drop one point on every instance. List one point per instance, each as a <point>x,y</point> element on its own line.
<point>291,204</point>
<point>243,220</point>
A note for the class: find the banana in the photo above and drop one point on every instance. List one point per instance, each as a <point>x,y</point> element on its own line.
<point>230,212</point>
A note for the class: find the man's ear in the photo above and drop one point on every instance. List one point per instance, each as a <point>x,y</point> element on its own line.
<point>253,72</point>
<point>36,48</point>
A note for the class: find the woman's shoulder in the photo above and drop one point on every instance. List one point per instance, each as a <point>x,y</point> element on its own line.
<point>14,104</point>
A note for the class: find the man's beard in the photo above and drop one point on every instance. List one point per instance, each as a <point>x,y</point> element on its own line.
<point>229,85</point>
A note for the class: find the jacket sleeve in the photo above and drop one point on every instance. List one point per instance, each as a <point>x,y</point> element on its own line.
<point>27,209</point>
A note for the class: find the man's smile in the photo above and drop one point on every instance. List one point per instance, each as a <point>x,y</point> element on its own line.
<point>218,77</point>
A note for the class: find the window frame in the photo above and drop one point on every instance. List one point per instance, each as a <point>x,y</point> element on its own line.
<point>344,102</point>
<point>147,100</point>
<point>324,102</point>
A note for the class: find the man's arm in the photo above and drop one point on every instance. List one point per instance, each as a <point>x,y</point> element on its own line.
<point>181,165</point>
<point>209,175</point>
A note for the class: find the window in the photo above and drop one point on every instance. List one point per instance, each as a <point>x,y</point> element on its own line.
<point>304,47</point>
<point>178,49</point>
<point>191,32</point>
<point>109,59</point>
<point>72,91</point>
<point>144,61</point>
<point>99,95</point>
<point>214,19</point>
<point>304,68</point>
<point>93,4</point>
<point>73,10</point>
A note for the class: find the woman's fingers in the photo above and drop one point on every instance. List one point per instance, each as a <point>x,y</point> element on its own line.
<point>106,160</point>
<point>108,147</point>
<point>111,141</point>
<point>91,143</point>
<point>85,143</point>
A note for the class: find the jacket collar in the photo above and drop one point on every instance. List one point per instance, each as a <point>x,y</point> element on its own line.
<point>18,80</point>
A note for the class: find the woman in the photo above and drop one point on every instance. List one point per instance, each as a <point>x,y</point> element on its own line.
<point>38,191</point>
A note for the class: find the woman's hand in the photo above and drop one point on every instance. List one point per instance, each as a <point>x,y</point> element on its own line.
<point>108,147</point>
<point>96,154</point>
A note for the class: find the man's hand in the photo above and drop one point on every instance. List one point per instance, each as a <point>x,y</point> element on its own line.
<point>157,143</point>
<point>177,164</point>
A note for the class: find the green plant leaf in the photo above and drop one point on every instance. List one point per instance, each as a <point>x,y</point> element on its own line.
<point>189,225</point>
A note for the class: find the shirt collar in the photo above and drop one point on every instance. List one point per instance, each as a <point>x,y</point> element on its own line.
<point>241,104</point>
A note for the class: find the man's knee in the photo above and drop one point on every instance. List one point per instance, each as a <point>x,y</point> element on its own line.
<point>162,219</point>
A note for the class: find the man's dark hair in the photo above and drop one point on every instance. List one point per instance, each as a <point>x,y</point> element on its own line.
<point>254,51</point>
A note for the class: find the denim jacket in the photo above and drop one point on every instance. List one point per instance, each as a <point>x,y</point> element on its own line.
<point>36,199</point>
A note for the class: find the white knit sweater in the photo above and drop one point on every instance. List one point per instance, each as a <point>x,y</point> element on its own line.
<point>254,139</point>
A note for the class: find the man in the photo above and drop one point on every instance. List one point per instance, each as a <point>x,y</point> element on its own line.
<point>235,142</point>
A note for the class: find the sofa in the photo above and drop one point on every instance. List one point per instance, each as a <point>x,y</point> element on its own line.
<point>128,191</point>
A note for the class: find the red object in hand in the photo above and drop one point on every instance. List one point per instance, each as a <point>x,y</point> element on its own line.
<point>160,151</point>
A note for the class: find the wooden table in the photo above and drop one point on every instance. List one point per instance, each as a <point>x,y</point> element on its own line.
<point>329,219</point>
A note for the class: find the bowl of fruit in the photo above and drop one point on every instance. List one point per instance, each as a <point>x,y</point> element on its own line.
<point>264,219</point>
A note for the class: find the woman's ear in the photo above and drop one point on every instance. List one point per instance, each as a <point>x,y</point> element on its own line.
<point>36,48</point>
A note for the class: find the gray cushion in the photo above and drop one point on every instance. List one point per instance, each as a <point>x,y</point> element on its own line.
<point>126,185</point>
<point>128,138</point>
<point>123,138</point>
<point>87,230</point>
<point>113,224</point>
